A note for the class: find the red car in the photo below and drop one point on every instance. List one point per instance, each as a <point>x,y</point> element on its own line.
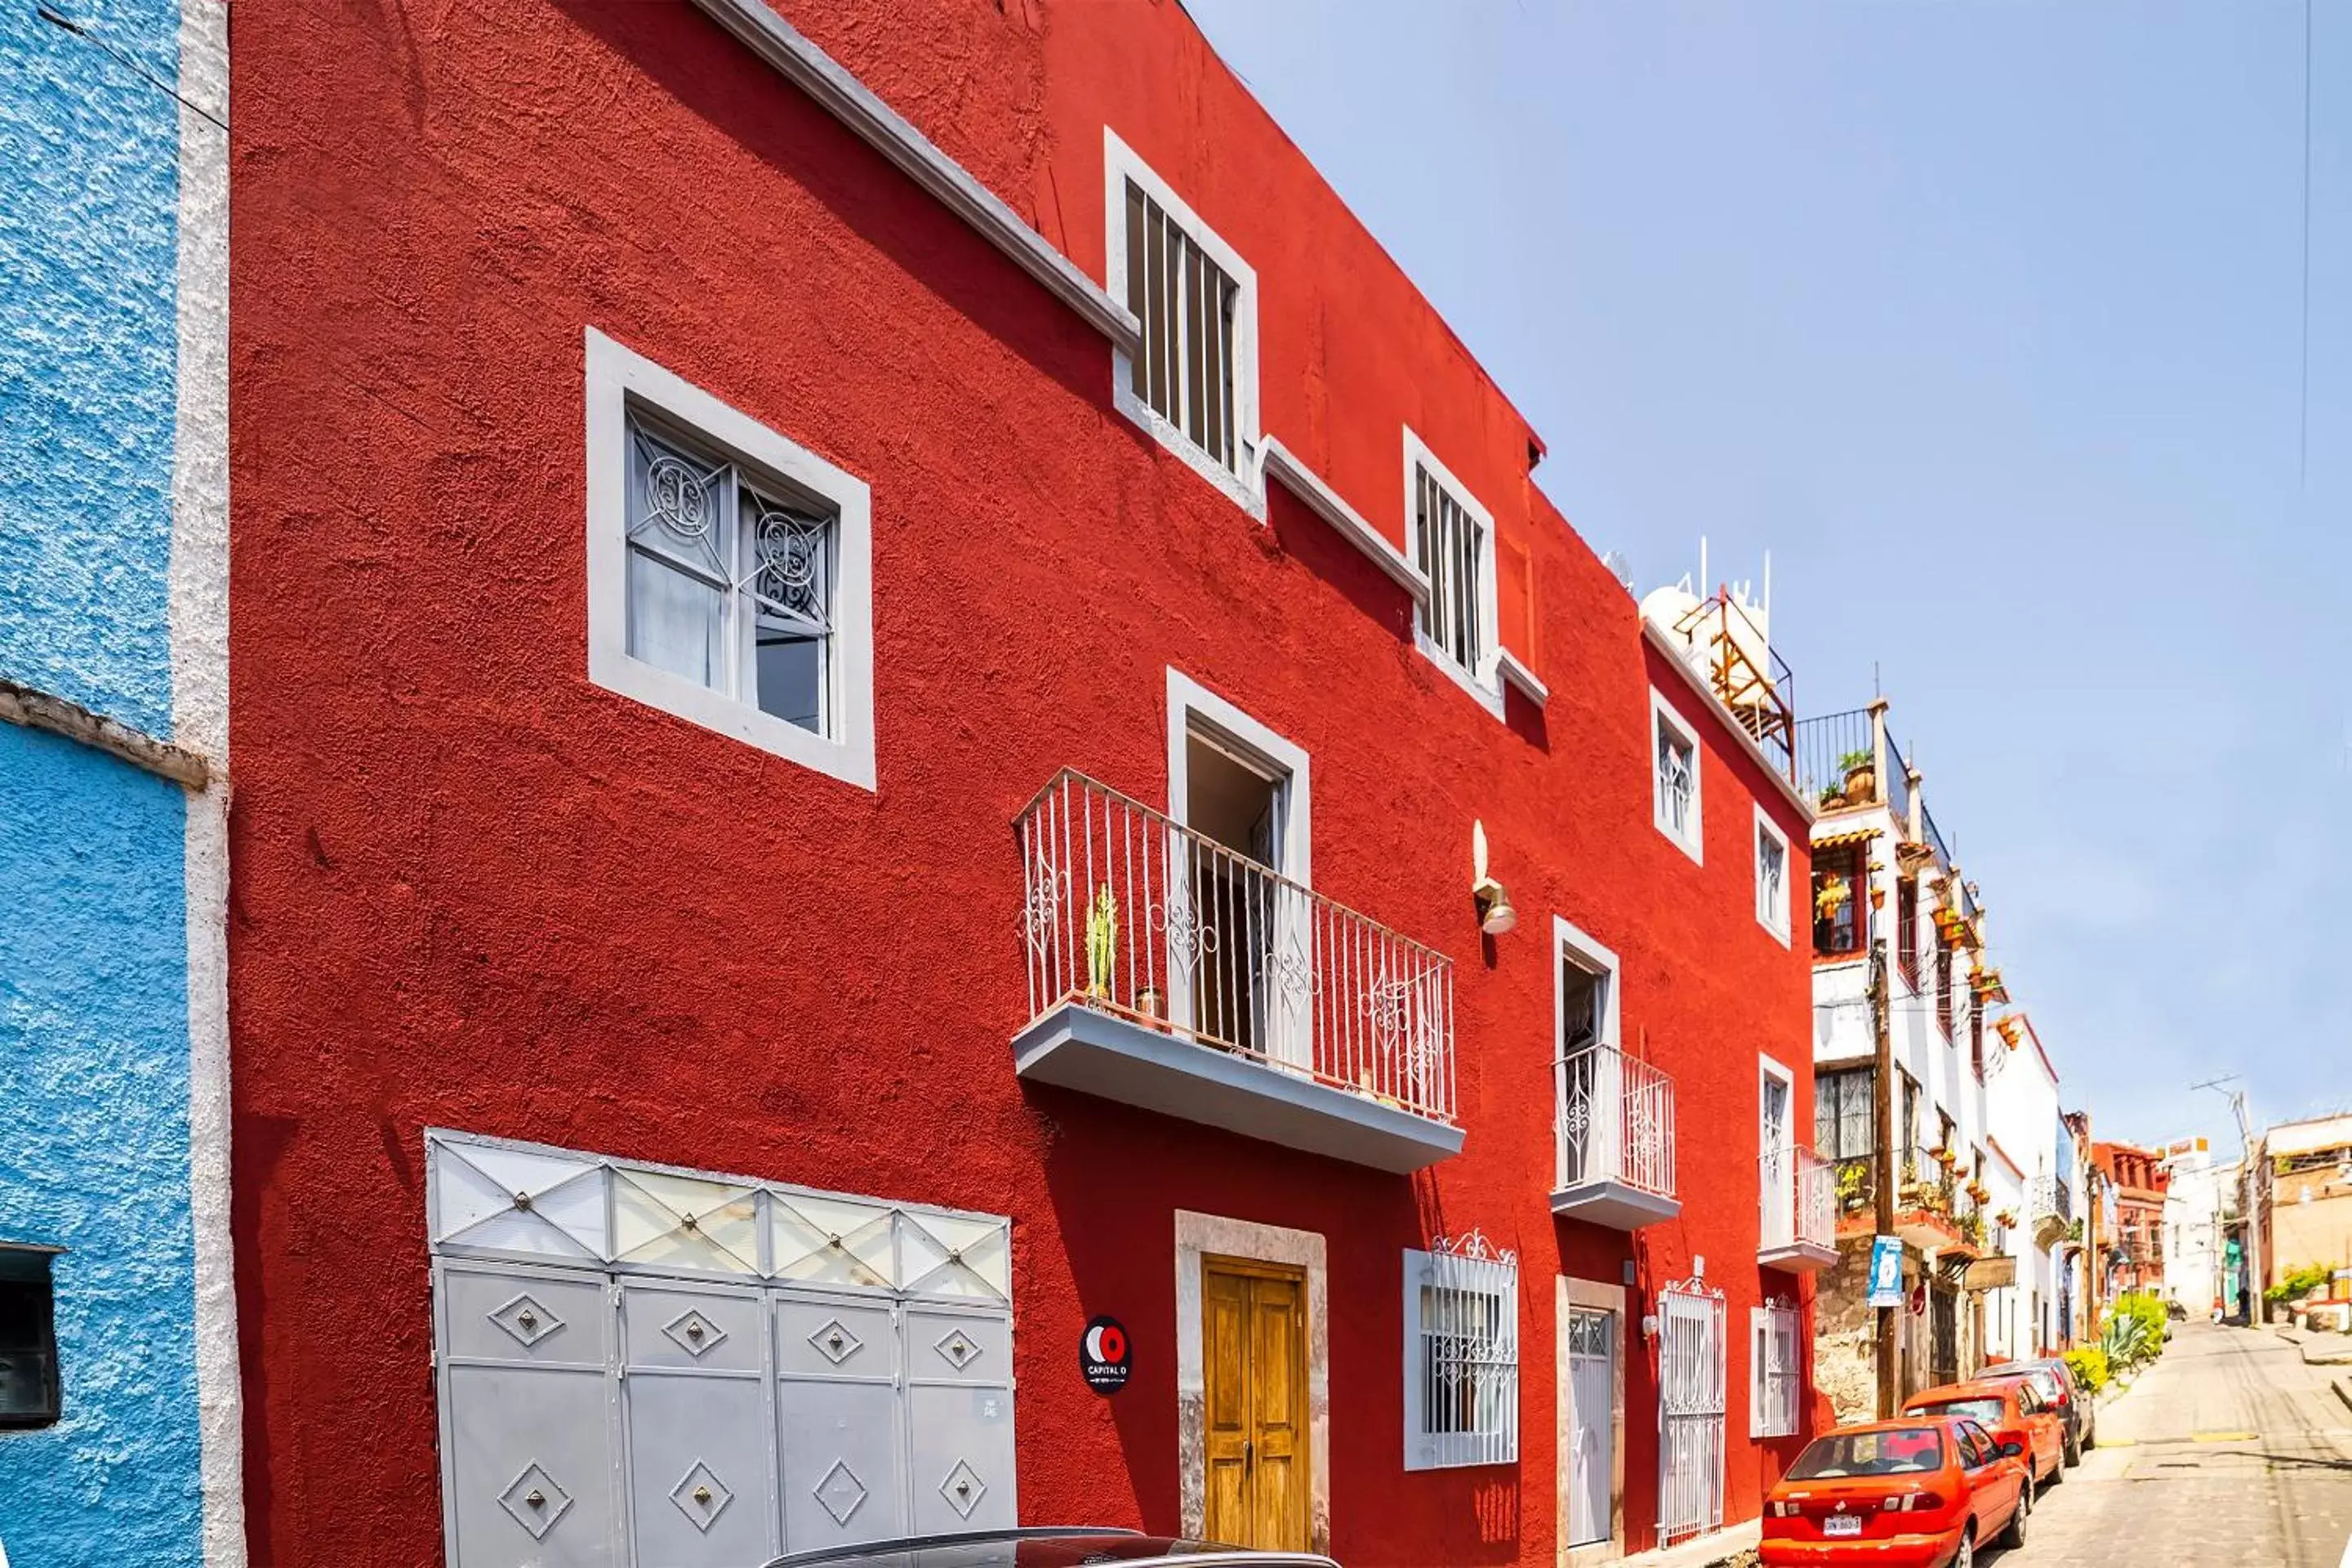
<point>2012,1409</point>
<point>1922,1492</point>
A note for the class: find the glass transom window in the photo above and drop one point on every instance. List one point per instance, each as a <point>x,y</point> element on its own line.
<point>730,578</point>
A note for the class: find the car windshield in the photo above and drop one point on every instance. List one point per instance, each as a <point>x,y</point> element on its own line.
<point>1892,1451</point>
<point>1987,1410</point>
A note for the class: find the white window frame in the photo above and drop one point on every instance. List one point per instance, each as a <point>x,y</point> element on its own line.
<point>1775,1395</point>
<point>1490,1275</point>
<point>619,379</point>
<point>1664,715</point>
<point>1484,683</point>
<point>1189,700</point>
<point>1774,916</point>
<point>1246,487</point>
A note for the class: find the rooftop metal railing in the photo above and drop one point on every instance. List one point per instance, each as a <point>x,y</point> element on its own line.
<point>1822,741</point>
<point>1760,691</point>
<point>1132,913</point>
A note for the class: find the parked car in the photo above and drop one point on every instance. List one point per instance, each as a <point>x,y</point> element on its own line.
<point>1046,1548</point>
<point>2057,1383</point>
<point>1925,1492</point>
<point>2013,1409</point>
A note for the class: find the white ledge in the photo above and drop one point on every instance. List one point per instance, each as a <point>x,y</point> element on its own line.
<point>1514,670</point>
<point>1698,683</point>
<point>848,100</point>
<point>1281,463</point>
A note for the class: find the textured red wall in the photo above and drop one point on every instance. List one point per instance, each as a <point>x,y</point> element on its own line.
<point>471,889</point>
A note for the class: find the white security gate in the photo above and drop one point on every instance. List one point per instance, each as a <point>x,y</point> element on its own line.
<point>648,1368</point>
<point>1691,1361</point>
<point>1592,1426</point>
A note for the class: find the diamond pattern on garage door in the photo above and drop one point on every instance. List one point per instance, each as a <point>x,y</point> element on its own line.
<point>642,1366</point>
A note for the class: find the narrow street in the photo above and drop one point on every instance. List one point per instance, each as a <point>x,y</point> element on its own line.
<point>2228,1451</point>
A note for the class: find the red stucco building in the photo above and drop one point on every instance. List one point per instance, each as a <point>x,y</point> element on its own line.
<point>2133,1241</point>
<point>870,653</point>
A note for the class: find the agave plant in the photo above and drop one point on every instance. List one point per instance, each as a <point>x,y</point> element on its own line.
<point>2126,1340</point>
<point>1102,941</point>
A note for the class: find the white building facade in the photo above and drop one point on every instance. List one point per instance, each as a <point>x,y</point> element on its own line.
<point>2193,1239</point>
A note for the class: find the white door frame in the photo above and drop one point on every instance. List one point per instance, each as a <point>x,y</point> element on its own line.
<point>1592,1296</point>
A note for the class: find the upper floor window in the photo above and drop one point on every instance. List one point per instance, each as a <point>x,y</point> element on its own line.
<point>1771,877</point>
<point>1452,543</point>
<point>1462,1357</point>
<point>1841,899</point>
<point>1193,380</point>
<point>1845,1114</point>
<point>1943,988</point>
<point>1907,930</point>
<point>1674,752</point>
<point>729,569</point>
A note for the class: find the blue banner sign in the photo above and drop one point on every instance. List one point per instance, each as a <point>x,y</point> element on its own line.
<point>1886,1271</point>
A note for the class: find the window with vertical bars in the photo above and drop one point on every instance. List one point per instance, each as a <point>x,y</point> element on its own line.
<point>1907,930</point>
<point>1776,1370</point>
<point>1452,545</point>
<point>1462,1360</point>
<point>1943,988</point>
<point>1845,1114</point>
<point>1184,367</point>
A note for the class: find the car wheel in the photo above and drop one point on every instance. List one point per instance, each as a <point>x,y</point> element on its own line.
<point>2072,1454</point>
<point>2014,1536</point>
<point>1967,1556</point>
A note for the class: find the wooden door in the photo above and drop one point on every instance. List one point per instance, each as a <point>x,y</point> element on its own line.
<point>1253,1326</point>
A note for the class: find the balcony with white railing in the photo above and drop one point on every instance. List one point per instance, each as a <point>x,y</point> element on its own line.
<point>1799,1200</point>
<point>1165,970</point>
<point>1615,1130</point>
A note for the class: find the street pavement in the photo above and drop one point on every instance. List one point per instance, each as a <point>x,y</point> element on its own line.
<point>2228,1451</point>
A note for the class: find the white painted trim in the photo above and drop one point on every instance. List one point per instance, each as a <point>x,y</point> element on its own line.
<point>1515,672</point>
<point>1188,697</point>
<point>848,100</point>
<point>1199,1235</point>
<point>1280,462</point>
<point>616,377</point>
<point>1570,939</point>
<point>1699,687</point>
<point>197,595</point>
<point>1485,684</point>
<point>1246,487</point>
<point>1497,1276</point>
<point>1692,843</point>
<point>1781,932</point>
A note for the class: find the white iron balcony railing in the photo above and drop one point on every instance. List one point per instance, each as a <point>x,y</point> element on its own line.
<point>1131,913</point>
<point>1799,1190</point>
<point>1616,1122</point>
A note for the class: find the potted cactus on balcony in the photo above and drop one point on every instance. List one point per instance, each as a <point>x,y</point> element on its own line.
<point>1102,941</point>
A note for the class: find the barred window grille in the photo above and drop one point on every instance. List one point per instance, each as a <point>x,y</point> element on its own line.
<point>1462,1360</point>
<point>730,578</point>
<point>1771,879</point>
<point>1776,1370</point>
<point>1452,546</point>
<point>1186,302</point>
<point>1678,762</point>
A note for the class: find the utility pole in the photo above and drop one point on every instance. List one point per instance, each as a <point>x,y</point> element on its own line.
<point>1882,1155</point>
<point>2249,1188</point>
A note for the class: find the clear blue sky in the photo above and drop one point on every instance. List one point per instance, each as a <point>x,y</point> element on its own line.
<point>1985,319</point>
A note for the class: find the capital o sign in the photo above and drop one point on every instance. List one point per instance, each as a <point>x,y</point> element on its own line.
<point>1105,1359</point>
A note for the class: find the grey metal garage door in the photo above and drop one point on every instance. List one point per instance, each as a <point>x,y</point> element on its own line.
<point>659,1368</point>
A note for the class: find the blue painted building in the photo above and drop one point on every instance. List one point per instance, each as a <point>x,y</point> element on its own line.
<point>118,1436</point>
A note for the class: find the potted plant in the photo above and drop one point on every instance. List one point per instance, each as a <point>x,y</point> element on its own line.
<point>1861,771</point>
<point>1102,941</point>
<point>1944,1157</point>
<point>1832,896</point>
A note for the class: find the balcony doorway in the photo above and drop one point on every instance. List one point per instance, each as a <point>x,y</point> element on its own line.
<point>1238,926</point>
